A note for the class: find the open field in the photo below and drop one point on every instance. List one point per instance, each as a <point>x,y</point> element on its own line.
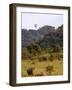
<point>44,65</point>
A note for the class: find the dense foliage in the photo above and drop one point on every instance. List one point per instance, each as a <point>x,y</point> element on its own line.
<point>46,42</point>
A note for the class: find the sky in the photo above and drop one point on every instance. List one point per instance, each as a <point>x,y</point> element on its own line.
<point>36,20</point>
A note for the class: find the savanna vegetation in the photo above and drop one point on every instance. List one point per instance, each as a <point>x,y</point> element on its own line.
<point>43,57</point>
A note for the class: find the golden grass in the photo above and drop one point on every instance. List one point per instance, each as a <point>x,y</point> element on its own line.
<point>40,67</point>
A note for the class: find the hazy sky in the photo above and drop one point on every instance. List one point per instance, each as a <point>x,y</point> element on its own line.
<point>30,20</point>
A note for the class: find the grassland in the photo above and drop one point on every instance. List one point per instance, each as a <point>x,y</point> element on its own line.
<point>43,65</point>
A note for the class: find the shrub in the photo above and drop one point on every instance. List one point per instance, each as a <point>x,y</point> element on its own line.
<point>49,69</point>
<point>33,62</point>
<point>51,57</point>
<point>60,57</point>
<point>43,58</point>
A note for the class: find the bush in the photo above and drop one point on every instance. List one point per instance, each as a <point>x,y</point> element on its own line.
<point>43,58</point>
<point>59,56</point>
<point>34,49</point>
<point>33,62</point>
<point>51,57</point>
<point>49,69</point>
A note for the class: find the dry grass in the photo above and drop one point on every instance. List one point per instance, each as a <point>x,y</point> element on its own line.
<point>40,67</point>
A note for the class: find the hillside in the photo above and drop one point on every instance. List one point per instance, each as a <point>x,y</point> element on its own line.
<point>53,40</point>
<point>32,36</point>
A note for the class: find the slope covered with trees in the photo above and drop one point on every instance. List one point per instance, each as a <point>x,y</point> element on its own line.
<point>45,39</point>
